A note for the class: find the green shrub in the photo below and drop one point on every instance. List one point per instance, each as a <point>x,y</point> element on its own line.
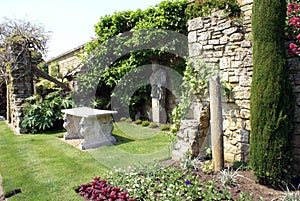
<point>164,128</point>
<point>45,113</point>
<point>203,8</point>
<point>272,99</point>
<point>128,120</point>
<point>123,119</point>
<point>138,121</point>
<point>145,123</point>
<point>153,125</point>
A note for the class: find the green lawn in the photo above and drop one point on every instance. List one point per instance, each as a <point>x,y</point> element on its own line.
<point>46,168</point>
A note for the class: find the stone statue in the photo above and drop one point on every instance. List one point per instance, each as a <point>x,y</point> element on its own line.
<point>157,79</point>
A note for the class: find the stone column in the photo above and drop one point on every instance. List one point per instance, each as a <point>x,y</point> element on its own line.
<point>20,86</point>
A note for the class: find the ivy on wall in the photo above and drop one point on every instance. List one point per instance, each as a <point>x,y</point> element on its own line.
<point>200,8</point>
<point>124,30</point>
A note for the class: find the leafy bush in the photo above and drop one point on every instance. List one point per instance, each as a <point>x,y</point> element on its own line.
<point>153,125</point>
<point>164,128</point>
<point>45,113</point>
<point>100,190</point>
<point>138,121</point>
<point>145,123</point>
<point>166,183</point>
<point>123,119</point>
<point>128,120</point>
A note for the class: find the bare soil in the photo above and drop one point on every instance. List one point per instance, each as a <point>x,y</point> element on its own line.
<point>246,183</point>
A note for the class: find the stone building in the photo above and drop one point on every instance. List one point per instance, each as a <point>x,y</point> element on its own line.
<point>67,61</point>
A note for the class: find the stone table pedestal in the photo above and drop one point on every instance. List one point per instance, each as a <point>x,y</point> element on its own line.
<point>93,126</point>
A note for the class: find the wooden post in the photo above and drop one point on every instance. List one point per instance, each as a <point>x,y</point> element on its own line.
<point>216,123</point>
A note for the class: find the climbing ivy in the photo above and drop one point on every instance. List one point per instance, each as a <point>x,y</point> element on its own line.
<point>108,57</point>
<point>194,86</point>
<point>203,8</point>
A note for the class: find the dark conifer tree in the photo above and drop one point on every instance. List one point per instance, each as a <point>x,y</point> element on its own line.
<point>272,99</point>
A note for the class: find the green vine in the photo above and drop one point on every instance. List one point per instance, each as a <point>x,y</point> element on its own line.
<point>195,88</point>
<point>125,29</point>
<point>202,8</point>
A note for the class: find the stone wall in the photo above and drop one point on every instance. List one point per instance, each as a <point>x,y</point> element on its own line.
<point>226,43</point>
<point>20,88</point>
<point>294,64</point>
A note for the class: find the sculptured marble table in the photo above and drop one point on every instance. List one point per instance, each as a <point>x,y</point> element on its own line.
<point>93,126</point>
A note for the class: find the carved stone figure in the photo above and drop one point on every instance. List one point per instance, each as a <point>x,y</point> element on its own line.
<point>157,79</point>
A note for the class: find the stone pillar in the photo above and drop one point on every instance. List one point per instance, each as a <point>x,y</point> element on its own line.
<point>216,123</point>
<point>20,87</point>
<point>159,114</point>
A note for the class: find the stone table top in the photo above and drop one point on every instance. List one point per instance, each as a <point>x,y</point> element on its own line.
<point>87,112</point>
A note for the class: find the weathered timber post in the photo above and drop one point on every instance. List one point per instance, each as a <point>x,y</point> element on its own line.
<point>216,122</point>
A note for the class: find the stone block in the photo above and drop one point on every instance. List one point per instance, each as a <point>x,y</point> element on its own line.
<point>246,44</point>
<point>208,47</point>
<point>230,48</point>
<point>233,79</point>
<point>219,47</point>
<point>245,113</point>
<point>230,31</point>
<point>236,37</point>
<point>223,26</point>
<point>241,93</point>
<point>245,81</point>
<point>195,24</point>
<point>218,54</point>
<point>207,25</point>
<point>229,157</point>
<point>224,40</point>
<point>246,7</point>
<point>216,36</point>
<point>243,104</point>
<point>203,36</point>
<point>203,42</point>
<point>214,42</point>
<point>225,63</point>
<point>192,37</point>
<point>195,49</point>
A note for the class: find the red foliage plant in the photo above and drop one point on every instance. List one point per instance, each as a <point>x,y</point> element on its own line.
<point>99,190</point>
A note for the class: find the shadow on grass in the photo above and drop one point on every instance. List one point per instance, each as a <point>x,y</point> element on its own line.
<point>122,139</point>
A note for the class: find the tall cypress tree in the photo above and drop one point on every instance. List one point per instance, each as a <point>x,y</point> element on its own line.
<point>272,100</point>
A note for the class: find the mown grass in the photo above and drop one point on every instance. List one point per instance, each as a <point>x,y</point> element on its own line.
<point>46,168</point>
<point>137,145</point>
